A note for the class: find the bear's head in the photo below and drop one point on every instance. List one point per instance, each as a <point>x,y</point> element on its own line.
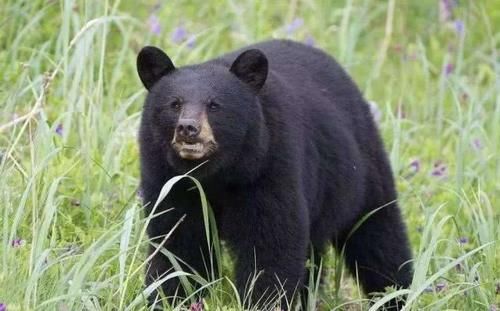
<point>203,112</point>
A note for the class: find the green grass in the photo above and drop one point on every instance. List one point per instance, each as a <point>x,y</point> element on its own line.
<point>71,197</point>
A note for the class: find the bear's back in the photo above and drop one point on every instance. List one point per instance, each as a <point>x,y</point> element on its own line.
<point>323,89</point>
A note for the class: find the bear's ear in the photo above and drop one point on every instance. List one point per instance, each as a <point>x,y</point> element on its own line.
<point>152,64</point>
<point>251,67</point>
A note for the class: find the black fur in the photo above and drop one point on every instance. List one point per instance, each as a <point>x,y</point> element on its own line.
<point>299,162</point>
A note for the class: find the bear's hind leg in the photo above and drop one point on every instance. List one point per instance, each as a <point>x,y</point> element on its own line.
<point>378,252</point>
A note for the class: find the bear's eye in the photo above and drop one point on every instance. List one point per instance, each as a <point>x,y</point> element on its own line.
<point>175,105</point>
<point>213,106</point>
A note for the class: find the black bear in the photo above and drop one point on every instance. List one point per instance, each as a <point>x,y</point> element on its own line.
<point>293,162</point>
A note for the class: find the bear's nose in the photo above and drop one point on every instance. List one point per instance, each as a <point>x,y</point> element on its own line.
<point>188,128</point>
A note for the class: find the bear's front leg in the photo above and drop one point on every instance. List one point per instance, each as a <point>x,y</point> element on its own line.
<point>187,241</point>
<point>269,236</point>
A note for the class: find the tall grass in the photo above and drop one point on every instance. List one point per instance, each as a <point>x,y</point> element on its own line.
<point>72,229</point>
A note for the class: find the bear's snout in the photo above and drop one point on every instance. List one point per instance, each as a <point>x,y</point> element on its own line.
<point>188,129</point>
<point>193,138</point>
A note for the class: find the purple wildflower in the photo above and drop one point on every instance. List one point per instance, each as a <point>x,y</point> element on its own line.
<point>309,40</point>
<point>477,144</point>
<point>440,286</point>
<point>59,129</point>
<point>3,307</point>
<point>439,169</point>
<point>179,34</point>
<point>448,69</point>
<point>17,243</point>
<point>428,289</point>
<point>191,42</point>
<point>493,308</point>
<point>294,26</point>
<point>197,306</point>
<point>463,240</point>
<point>415,166</point>
<point>497,288</point>
<point>459,27</point>
<point>446,10</point>
<point>154,24</point>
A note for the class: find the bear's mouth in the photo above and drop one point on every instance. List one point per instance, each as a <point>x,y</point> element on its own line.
<point>194,150</point>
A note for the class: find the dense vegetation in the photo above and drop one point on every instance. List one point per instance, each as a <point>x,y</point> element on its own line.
<point>71,223</point>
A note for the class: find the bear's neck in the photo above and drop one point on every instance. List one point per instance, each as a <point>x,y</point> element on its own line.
<point>253,157</point>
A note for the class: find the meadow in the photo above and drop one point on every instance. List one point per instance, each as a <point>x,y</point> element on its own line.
<point>72,231</point>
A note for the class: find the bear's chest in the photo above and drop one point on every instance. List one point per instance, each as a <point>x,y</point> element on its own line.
<point>229,209</point>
